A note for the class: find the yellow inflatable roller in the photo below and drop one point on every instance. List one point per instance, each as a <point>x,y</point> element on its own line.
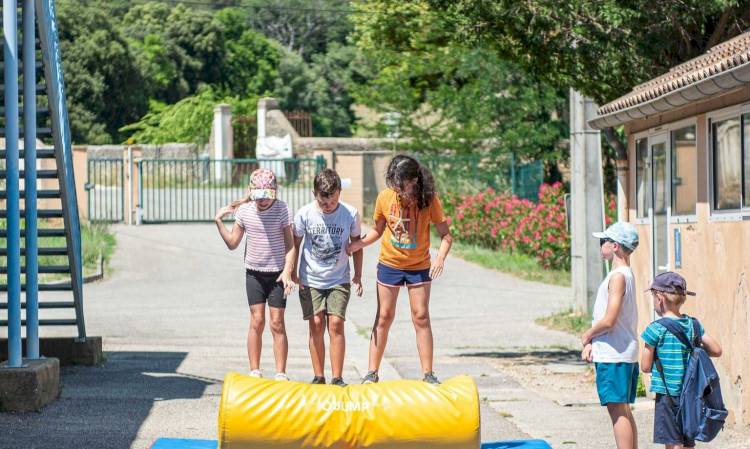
<point>268,414</point>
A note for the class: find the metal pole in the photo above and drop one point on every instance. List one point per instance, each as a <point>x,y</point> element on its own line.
<point>10,50</point>
<point>29,146</point>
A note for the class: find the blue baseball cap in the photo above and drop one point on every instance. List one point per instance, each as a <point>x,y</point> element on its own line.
<point>621,232</point>
<point>670,282</point>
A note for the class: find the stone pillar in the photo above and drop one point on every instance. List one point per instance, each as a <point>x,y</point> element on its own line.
<point>222,139</point>
<point>587,202</point>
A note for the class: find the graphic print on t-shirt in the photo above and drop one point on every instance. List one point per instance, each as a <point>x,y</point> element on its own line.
<point>326,243</point>
<point>403,224</point>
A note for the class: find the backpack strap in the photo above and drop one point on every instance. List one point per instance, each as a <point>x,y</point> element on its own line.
<point>676,330</point>
<point>697,342</point>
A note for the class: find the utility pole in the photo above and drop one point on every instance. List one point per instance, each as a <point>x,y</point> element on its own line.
<point>587,202</point>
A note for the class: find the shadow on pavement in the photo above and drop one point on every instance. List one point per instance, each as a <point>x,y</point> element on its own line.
<point>534,356</point>
<point>103,407</point>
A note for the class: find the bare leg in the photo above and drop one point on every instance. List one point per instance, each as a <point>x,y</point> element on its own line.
<point>280,343</point>
<point>255,334</point>
<point>383,320</point>
<point>419,300</point>
<point>623,423</point>
<point>338,344</point>
<point>317,346</point>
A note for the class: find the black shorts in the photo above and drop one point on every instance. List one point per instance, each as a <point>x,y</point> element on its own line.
<point>666,429</point>
<point>261,287</point>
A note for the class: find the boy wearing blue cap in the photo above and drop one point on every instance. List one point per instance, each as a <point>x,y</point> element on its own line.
<point>612,341</point>
<point>669,291</point>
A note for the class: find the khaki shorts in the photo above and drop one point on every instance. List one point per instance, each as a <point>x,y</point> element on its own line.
<point>333,300</point>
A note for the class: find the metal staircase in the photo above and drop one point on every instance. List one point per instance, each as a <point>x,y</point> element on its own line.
<point>59,222</point>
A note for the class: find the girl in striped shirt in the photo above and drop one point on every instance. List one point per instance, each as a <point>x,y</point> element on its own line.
<point>269,261</point>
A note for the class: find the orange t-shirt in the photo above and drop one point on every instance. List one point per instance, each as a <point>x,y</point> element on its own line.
<point>406,240</point>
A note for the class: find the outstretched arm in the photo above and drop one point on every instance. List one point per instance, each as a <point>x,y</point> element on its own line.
<point>231,238</point>
<point>368,239</point>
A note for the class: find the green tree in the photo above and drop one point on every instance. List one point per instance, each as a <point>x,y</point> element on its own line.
<point>250,63</point>
<point>179,48</point>
<point>103,84</point>
<point>322,87</point>
<point>601,48</point>
<point>188,120</point>
<point>451,96</point>
<point>305,27</point>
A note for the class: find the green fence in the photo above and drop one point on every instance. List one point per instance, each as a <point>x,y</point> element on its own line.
<point>192,190</point>
<point>472,173</point>
<point>105,188</point>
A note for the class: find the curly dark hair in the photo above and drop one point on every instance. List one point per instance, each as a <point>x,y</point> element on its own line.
<point>402,169</point>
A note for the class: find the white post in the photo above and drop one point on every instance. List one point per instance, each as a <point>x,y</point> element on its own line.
<point>129,161</point>
<point>587,202</point>
<point>222,137</point>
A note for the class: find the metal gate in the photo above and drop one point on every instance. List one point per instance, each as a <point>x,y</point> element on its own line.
<point>105,188</point>
<point>192,190</point>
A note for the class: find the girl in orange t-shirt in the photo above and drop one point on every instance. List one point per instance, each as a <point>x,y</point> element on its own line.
<point>403,213</point>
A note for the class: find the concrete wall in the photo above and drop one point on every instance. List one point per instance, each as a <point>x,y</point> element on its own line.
<point>715,261</point>
<point>304,146</point>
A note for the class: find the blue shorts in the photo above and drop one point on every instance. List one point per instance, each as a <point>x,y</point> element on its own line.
<point>616,382</point>
<point>393,277</point>
<point>666,428</point>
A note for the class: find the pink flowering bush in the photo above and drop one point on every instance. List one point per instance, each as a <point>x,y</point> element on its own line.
<point>501,221</point>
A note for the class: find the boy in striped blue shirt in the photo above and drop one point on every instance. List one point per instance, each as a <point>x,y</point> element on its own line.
<point>669,292</point>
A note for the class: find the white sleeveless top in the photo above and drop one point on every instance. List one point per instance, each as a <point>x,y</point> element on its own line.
<point>619,344</point>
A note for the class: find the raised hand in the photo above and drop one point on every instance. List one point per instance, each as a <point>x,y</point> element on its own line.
<point>223,212</point>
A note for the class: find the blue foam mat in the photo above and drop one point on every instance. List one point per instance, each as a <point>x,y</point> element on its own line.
<point>177,443</point>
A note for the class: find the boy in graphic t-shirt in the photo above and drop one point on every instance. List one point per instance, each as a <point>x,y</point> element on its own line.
<point>327,227</point>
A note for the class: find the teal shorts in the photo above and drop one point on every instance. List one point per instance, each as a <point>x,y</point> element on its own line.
<point>616,382</point>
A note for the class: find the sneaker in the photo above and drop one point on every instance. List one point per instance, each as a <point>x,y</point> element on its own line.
<point>338,381</point>
<point>370,378</point>
<point>430,378</point>
<point>318,380</point>
<point>256,373</point>
<point>281,376</point>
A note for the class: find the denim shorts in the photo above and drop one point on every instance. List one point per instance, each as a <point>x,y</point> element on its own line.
<point>616,382</point>
<point>666,429</point>
<point>393,277</point>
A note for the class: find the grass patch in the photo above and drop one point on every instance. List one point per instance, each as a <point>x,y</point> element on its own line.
<point>96,241</point>
<point>640,389</point>
<point>518,265</point>
<point>567,321</point>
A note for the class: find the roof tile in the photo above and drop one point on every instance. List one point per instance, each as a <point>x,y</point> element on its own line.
<point>719,58</point>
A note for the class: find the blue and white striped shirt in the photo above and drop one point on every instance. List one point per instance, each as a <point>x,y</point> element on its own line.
<point>673,355</point>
